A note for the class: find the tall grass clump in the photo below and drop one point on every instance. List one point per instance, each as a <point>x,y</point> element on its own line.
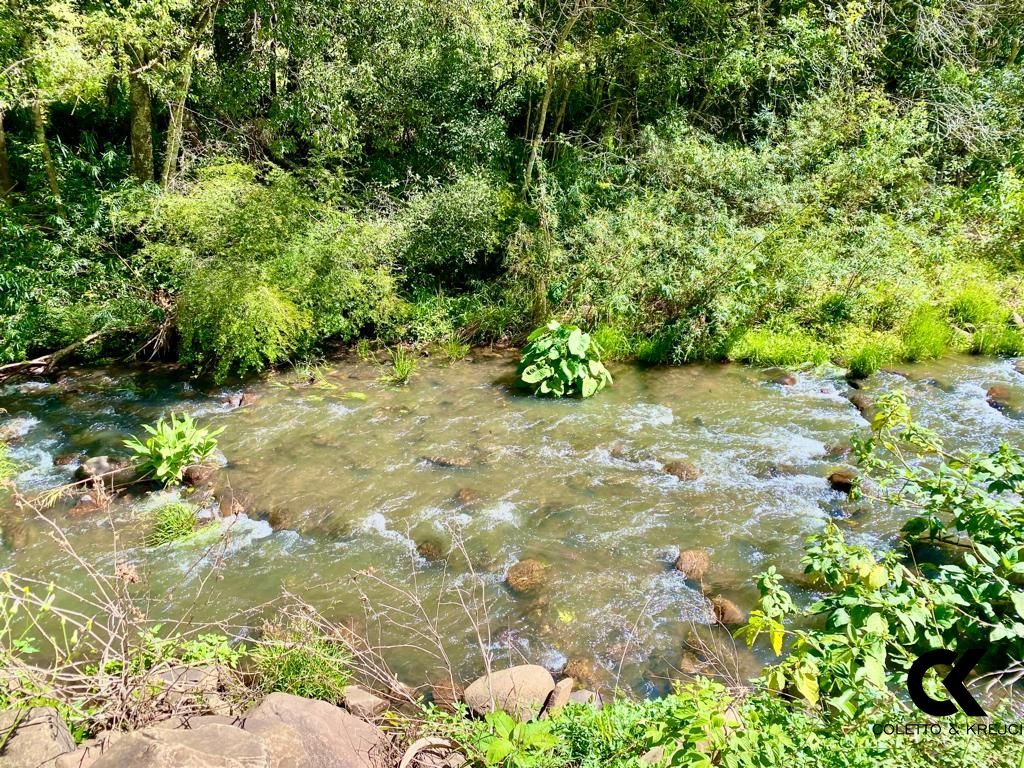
<point>926,335</point>
<point>300,659</point>
<point>764,347</point>
<point>172,522</point>
<point>403,366</point>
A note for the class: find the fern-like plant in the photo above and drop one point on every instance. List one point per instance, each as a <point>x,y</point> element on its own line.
<point>562,361</point>
<point>172,446</point>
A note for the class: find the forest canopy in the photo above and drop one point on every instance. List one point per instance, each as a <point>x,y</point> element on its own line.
<point>238,183</point>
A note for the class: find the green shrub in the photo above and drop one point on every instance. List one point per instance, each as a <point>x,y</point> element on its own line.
<point>231,323</point>
<point>997,340</point>
<point>561,360</point>
<point>172,522</point>
<point>881,609</point>
<point>764,347</point>
<point>172,446</point>
<point>926,335</point>
<point>301,660</point>
<point>451,233</point>
<point>864,353</point>
<point>455,349</point>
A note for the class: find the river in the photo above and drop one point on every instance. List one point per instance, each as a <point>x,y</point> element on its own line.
<point>348,482</point>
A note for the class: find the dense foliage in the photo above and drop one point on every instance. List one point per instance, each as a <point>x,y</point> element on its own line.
<point>236,183</point>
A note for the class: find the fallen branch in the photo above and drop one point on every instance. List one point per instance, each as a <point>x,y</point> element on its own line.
<point>45,363</point>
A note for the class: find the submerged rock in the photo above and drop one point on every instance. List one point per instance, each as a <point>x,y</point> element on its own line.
<point>582,671</point>
<point>446,694</point>
<point>241,400</point>
<point>681,469</point>
<point>727,612</point>
<point>693,563</point>
<point>431,549</point>
<point>526,576</point>
<point>521,691</point>
<point>64,459</point>
<point>467,496</point>
<point>197,475</point>
<point>782,377</point>
<point>1018,366</point>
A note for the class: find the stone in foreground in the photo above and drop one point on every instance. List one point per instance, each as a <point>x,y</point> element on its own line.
<point>521,691</point>
<point>212,746</point>
<point>39,737</point>
<point>332,737</point>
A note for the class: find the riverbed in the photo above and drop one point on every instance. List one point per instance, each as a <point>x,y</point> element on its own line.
<point>356,493</point>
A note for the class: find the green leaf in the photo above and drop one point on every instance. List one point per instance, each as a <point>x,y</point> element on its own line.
<point>577,344</point>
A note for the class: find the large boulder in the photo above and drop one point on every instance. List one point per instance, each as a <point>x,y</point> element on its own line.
<point>521,691</point>
<point>332,737</point>
<point>39,737</point>
<point>212,746</point>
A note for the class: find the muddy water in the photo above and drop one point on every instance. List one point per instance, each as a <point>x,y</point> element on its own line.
<point>345,484</point>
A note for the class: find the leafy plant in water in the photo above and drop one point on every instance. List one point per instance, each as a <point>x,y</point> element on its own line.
<point>561,360</point>
<point>172,522</point>
<point>172,446</point>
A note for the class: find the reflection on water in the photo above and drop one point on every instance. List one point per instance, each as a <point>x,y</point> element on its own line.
<point>348,474</point>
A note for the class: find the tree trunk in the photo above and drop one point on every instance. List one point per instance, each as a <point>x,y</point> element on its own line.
<point>5,172</point>
<point>538,133</point>
<point>141,102</point>
<point>174,127</point>
<point>39,129</point>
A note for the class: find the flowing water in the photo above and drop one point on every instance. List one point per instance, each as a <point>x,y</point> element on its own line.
<point>345,489</point>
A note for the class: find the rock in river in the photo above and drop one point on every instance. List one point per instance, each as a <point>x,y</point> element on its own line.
<point>727,612</point>
<point>114,470</point>
<point>521,691</point>
<point>842,480</point>
<point>682,469</point>
<point>693,563</point>
<point>998,396</point>
<point>526,576</point>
